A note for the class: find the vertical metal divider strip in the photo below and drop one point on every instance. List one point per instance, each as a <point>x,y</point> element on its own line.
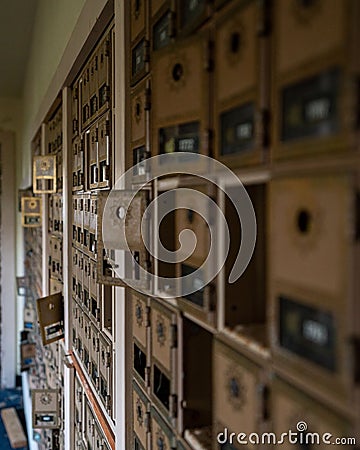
<point>221,251</point>
<point>44,224</point>
<point>122,395</point>
<point>67,261</point>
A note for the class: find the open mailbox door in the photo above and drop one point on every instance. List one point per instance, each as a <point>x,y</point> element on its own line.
<point>51,317</point>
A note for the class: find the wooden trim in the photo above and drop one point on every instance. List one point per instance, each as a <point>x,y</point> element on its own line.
<point>94,403</point>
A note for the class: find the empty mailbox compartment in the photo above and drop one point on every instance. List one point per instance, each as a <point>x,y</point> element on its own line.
<point>197,369</point>
<point>245,300</point>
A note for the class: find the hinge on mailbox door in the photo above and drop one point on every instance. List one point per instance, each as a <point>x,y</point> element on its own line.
<point>107,47</point>
<point>147,422</point>
<point>147,316</point>
<point>147,104</point>
<point>264,24</point>
<point>173,331</point>
<point>357,216</point>
<point>147,376</point>
<point>173,405</point>
<point>146,51</point>
<point>209,56</point>
<point>108,359</point>
<point>172,24</point>
<point>265,125</point>
<point>265,398</point>
<point>108,402</point>
<point>356,358</point>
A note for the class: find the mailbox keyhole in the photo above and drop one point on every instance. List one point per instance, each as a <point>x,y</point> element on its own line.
<point>137,6</point>
<point>177,71</point>
<point>304,221</point>
<point>235,41</point>
<point>139,412</point>
<point>234,388</point>
<point>137,109</point>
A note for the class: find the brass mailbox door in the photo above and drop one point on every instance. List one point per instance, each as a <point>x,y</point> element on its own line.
<point>161,434</point>
<point>311,247</point>
<point>92,140</point>
<point>238,85</point>
<point>75,108</point>
<point>291,407</point>
<point>139,119</point>
<point>89,425</point>
<point>161,335</point>
<point>298,25</point>
<point>85,97</point>
<point>140,320</point>
<point>138,18</point>
<point>51,317</point>
<point>105,372</point>
<point>180,98</point>
<point>104,53</point>
<point>104,150</point>
<point>141,419</point>
<point>45,408</point>
<point>236,391</point>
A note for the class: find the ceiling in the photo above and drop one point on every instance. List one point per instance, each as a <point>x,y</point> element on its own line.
<point>16,24</point>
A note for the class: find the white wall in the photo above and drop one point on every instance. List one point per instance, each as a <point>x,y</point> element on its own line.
<point>54,23</point>
<point>8,230</point>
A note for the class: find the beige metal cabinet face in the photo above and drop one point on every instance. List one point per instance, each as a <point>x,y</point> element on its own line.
<point>298,25</point>
<point>55,286</point>
<point>105,65</point>
<point>104,150</point>
<point>85,97</point>
<point>89,425</point>
<point>141,419</point>
<point>138,18</point>
<point>311,249</point>
<point>78,164</point>
<point>94,355</point>
<point>86,357</point>
<point>291,406</point>
<point>93,284</point>
<point>75,93</point>
<point>236,391</point>
<point>105,372</point>
<point>93,157</point>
